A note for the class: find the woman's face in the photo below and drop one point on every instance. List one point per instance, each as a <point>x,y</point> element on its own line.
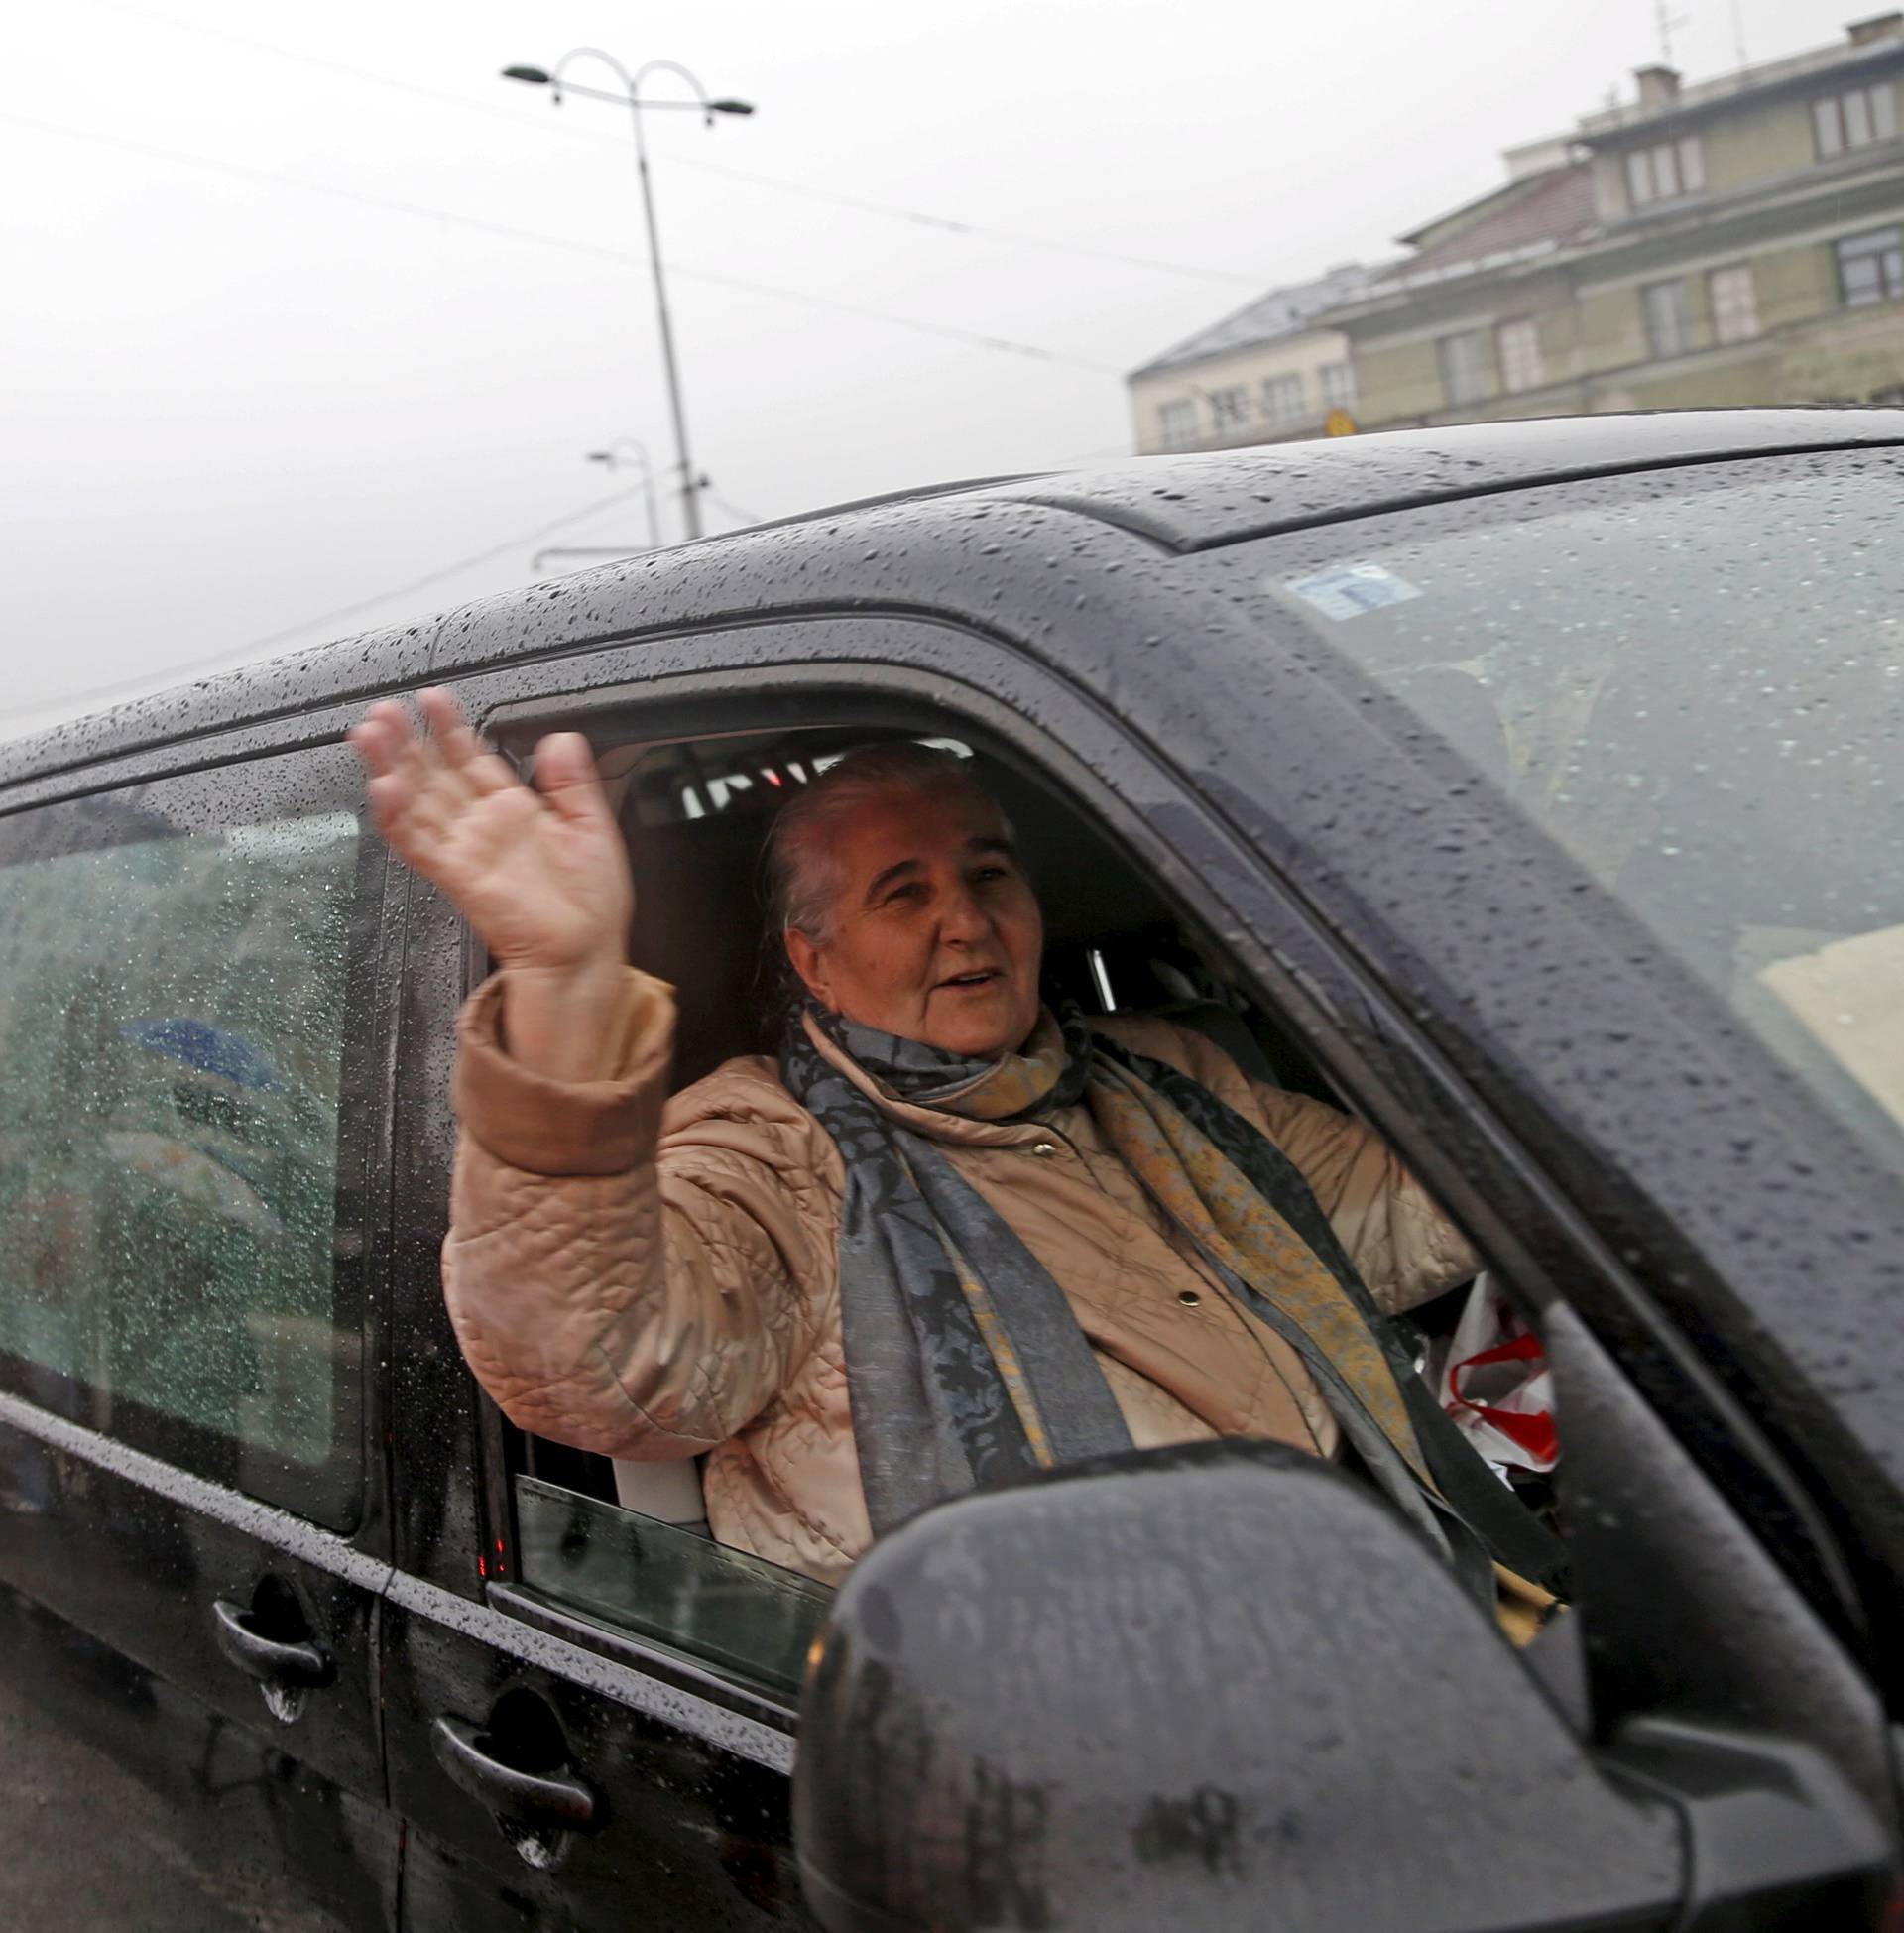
<point>935,934</point>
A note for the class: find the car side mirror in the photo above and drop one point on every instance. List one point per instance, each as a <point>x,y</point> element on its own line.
<point>1221,1687</point>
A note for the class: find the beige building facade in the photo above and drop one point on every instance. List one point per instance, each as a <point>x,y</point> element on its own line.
<point>1263,375</point>
<point>1734,243</point>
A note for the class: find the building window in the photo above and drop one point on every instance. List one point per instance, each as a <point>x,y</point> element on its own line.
<point>1230,409</point>
<point>1665,171</point>
<point>1337,386</point>
<point>1735,303</point>
<point>1520,364</point>
<point>1282,400</point>
<point>1870,268</point>
<point>1668,318</point>
<point>1464,367</point>
<point>1855,120</point>
<point>1178,422</point>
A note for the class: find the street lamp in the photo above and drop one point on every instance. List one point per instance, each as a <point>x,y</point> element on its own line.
<point>631,97</point>
<point>611,459</point>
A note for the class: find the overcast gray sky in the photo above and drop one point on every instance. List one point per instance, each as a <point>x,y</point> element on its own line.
<point>249,403</point>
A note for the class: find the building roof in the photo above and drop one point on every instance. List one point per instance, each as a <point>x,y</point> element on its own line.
<point>1555,205</point>
<point>1549,208</point>
<point>1281,313</point>
<point>1882,41</point>
<point>1518,221</point>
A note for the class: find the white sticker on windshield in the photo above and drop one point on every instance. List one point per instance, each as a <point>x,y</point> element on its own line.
<point>1353,588</point>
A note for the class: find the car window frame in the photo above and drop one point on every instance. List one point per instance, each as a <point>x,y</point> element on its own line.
<point>340,1494</point>
<point>1278,941</point>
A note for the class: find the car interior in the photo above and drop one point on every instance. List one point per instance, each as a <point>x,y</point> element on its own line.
<point>694,812</point>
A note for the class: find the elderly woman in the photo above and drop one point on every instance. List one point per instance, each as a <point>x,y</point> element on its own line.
<point>947,1237</point>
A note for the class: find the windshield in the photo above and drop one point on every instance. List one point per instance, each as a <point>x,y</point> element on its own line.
<point>1699,695</point>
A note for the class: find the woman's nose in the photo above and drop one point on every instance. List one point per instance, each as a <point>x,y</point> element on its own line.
<point>961,918</point>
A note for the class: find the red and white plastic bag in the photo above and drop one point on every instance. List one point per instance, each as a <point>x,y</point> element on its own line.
<point>1495,1383</point>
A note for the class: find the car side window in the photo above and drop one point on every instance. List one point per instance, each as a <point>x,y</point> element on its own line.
<point>665,1581</point>
<point>628,1547</point>
<point>175,997</point>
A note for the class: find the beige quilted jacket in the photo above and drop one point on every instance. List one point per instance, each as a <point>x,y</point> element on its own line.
<point>656,1278</point>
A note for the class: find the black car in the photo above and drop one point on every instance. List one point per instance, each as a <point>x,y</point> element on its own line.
<point>1536,790</point>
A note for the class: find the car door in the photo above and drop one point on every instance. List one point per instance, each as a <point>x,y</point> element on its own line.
<point>590,1710</point>
<point>559,1757</point>
<point>191,1505</point>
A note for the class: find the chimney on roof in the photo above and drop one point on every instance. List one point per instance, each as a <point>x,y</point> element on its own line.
<point>1881,26</point>
<point>1659,88</point>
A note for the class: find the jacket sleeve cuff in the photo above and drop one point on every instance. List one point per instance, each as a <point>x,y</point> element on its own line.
<point>562,1128</point>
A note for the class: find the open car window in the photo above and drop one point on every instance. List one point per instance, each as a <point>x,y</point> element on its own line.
<point>626,1546</point>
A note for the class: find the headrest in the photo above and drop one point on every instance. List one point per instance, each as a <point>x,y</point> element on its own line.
<point>697,925</point>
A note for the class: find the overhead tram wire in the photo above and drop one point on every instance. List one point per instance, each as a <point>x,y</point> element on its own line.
<point>243,171</point>
<point>887,211</point>
<point>437,576</point>
<point>744,519</point>
<point>236,656</point>
<point>953,225</point>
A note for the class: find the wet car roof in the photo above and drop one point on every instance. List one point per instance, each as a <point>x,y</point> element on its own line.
<point>1195,501</point>
<point>1199,502</point>
<point>855,556</point>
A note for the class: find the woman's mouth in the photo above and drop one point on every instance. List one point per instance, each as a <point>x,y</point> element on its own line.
<point>967,982</point>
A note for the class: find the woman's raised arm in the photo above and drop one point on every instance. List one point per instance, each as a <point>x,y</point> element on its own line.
<point>542,875</point>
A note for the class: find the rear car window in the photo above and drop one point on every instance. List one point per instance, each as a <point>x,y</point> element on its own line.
<point>174,1001</point>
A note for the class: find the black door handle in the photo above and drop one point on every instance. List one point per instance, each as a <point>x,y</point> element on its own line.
<point>551,1801</point>
<point>288,1664</point>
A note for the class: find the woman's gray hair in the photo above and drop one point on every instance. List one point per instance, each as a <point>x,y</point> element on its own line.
<point>802,871</point>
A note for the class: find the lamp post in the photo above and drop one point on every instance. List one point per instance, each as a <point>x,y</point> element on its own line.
<point>631,97</point>
<point>611,459</point>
